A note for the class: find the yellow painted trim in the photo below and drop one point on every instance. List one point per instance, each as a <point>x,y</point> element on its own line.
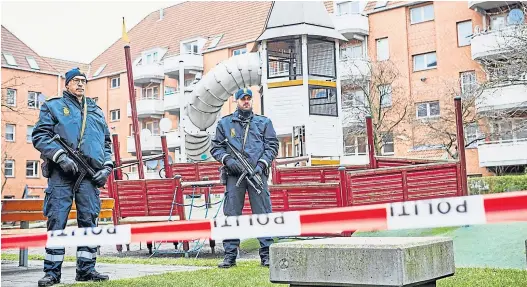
<point>322,83</point>
<point>325,162</point>
<point>285,84</point>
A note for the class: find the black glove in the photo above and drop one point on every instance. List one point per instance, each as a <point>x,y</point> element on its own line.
<point>67,164</point>
<point>260,167</point>
<point>234,166</point>
<point>101,176</point>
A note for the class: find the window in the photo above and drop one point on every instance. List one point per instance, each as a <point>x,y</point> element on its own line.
<point>32,168</point>
<point>388,147</point>
<point>421,14</point>
<point>508,130</point>
<point>99,70</point>
<point>151,93</point>
<point>188,82</point>
<point>10,132</point>
<point>497,22</point>
<point>323,101</point>
<point>354,145</point>
<point>349,7</point>
<point>383,49</point>
<point>116,82</point>
<point>32,100</point>
<point>464,31</point>
<point>468,82</point>
<point>351,52</point>
<point>353,99</point>
<point>9,59</point>
<point>239,51</point>
<point>32,63</point>
<point>214,42</point>
<point>11,97</point>
<point>381,4</point>
<point>153,127</point>
<point>472,135</point>
<point>385,95</point>
<point>29,132</point>
<point>170,91</point>
<point>151,58</point>
<point>191,47</point>
<point>115,115</point>
<point>428,110</point>
<point>425,61</point>
<point>9,168</point>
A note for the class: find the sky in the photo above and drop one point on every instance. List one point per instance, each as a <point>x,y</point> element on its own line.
<point>73,30</point>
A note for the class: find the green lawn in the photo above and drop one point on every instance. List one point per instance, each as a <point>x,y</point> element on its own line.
<point>250,273</point>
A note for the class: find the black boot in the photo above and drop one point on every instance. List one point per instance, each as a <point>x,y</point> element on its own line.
<point>48,280</point>
<point>265,261</point>
<point>264,256</point>
<point>92,276</point>
<point>228,262</point>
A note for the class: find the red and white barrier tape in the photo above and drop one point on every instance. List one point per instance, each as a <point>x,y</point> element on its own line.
<point>441,212</point>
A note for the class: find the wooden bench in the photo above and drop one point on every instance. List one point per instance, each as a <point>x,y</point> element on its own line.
<point>26,210</point>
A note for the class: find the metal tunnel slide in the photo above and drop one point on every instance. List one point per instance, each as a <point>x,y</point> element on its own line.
<point>204,104</point>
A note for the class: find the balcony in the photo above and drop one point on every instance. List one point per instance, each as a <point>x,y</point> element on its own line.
<point>506,97</point>
<point>191,62</point>
<point>486,5</point>
<point>353,68</point>
<point>495,42</point>
<point>147,108</point>
<point>153,143</point>
<point>351,25</point>
<point>512,152</point>
<point>148,73</point>
<point>171,102</point>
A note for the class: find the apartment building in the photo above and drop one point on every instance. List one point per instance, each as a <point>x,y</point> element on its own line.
<point>436,47</point>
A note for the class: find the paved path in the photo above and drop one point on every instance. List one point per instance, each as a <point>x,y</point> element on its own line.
<point>14,276</point>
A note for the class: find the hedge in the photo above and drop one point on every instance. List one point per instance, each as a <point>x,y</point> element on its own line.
<point>497,184</point>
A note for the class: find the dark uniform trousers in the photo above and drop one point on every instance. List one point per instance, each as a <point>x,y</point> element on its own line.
<point>57,205</point>
<point>233,205</point>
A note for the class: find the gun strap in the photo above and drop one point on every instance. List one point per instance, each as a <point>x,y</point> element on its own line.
<point>245,136</point>
<point>84,116</point>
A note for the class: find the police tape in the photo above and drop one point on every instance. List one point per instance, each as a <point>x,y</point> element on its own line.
<point>440,212</point>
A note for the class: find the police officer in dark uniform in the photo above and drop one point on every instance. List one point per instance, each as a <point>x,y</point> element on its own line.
<point>81,124</point>
<point>255,137</point>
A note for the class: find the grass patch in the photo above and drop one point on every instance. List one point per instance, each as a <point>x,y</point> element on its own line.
<point>485,277</point>
<point>438,231</point>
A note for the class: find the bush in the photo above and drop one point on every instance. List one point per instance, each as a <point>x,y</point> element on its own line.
<point>497,184</point>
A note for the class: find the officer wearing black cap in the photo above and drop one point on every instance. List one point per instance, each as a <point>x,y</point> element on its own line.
<point>81,124</point>
<point>254,136</point>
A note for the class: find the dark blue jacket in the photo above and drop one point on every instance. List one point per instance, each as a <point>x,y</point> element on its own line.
<point>261,144</point>
<point>63,116</point>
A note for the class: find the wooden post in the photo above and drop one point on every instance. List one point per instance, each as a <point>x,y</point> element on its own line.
<point>461,145</point>
<point>164,148</point>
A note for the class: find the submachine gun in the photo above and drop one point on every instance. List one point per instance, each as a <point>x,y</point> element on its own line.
<point>78,158</point>
<point>254,179</point>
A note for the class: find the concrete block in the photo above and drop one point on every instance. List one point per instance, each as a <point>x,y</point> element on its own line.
<point>362,261</point>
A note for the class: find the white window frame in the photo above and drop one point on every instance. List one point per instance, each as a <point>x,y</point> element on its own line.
<point>153,96</point>
<point>115,82</point>
<point>99,70</point>
<point>349,52</point>
<point>347,7</point>
<point>35,169</point>
<point>191,44</point>
<point>30,94</point>
<point>421,10</point>
<point>380,4</point>
<point>384,144</point>
<point>32,63</point>
<point>10,59</point>
<point>383,55</point>
<point>151,58</point>
<point>428,116</point>
<point>240,51</point>
<point>356,152</point>
<point>29,134</point>
<point>469,76</point>
<point>113,113</point>
<point>388,90</point>
<point>12,168</point>
<point>13,96</point>
<point>214,42</point>
<point>153,127</point>
<point>470,136</point>
<point>425,60</point>
<point>13,133</point>
<point>464,40</point>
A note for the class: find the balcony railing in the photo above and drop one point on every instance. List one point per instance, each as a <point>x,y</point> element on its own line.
<point>495,42</point>
<point>153,143</point>
<point>499,98</point>
<point>503,153</point>
<point>351,24</point>
<point>171,65</point>
<point>147,73</point>
<point>147,107</point>
<point>353,67</point>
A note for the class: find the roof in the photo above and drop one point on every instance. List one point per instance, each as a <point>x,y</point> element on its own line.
<point>62,66</point>
<point>239,22</point>
<point>19,50</point>
<point>289,18</point>
<point>371,6</point>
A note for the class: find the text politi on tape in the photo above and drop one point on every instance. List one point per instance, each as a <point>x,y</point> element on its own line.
<point>256,225</point>
<point>453,211</point>
<point>90,236</point>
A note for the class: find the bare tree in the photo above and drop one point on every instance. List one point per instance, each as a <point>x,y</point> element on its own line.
<point>374,89</point>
